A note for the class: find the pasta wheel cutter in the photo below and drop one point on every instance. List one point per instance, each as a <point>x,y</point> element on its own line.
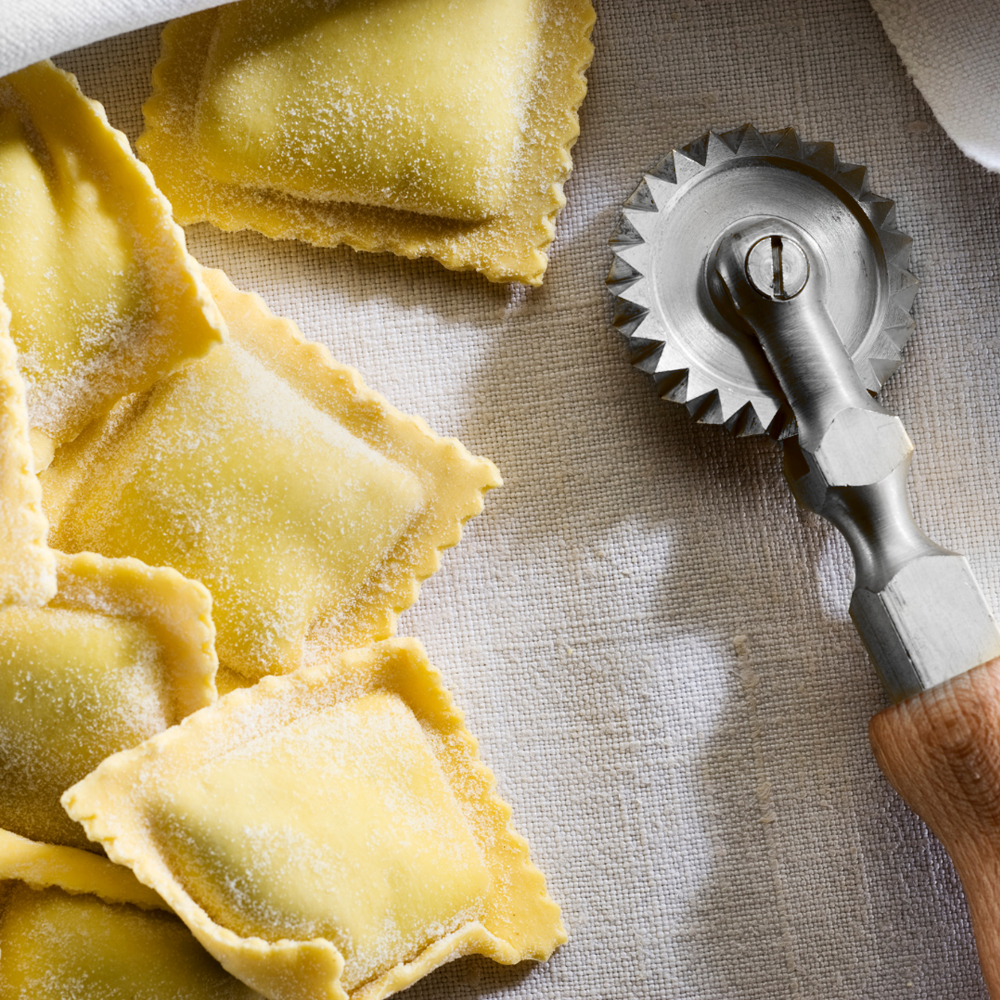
<point>764,286</point>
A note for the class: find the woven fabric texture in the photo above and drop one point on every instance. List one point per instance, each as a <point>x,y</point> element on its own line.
<point>649,638</point>
<point>35,29</point>
<point>952,50</point>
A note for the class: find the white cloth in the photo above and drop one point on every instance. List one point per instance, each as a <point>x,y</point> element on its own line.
<point>649,638</point>
<point>34,29</point>
<point>952,50</point>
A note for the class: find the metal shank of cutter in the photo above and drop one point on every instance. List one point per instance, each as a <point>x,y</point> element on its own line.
<point>666,236</point>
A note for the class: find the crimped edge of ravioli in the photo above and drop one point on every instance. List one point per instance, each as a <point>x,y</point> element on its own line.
<point>27,565</point>
<point>521,921</point>
<point>177,610</point>
<point>43,866</point>
<point>182,298</point>
<point>507,247</point>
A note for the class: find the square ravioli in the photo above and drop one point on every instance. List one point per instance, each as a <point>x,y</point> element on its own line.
<point>74,926</point>
<point>307,505</point>
<point>104,297</point>
<point>330,834</point>
<point>120,653</point>
<point>27,565</point>
<point>422,127</point>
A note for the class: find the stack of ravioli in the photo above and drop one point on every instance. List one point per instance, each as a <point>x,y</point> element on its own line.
<point>218,775</point>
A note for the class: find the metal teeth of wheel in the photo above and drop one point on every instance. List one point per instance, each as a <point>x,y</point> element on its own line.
<point>678,369</point>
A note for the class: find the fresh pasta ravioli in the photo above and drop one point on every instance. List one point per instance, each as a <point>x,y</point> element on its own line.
<point>73,926</point>
<point>309,507</point>
<point>104,297</point>
<point>120,653</point>
<point>27,565</point>
<point>329,834</point>
<point>423,127</point>
<point>325,103</point>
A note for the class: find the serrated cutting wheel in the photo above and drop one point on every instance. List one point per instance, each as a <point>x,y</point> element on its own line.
<point>665,241</point>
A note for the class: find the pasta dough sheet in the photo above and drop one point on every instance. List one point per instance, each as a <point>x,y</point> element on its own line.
<point>27,565</point>
<point>327,834</point>
<point>104,297</point>
<point>411,105</point>
<point>121,653</point>
<point>75,927</point>
<point>308,506</point>
<point>422,127</point>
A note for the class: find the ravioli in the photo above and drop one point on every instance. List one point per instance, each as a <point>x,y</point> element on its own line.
<point>423,127</point>
<point>328,104</point>
<point>121,653</point>
<point>307,505</point>
<point>27,565</point>
<point>271,864</point>
<point>75,927</point>
<point>330,834</point>
<point>104,297</point>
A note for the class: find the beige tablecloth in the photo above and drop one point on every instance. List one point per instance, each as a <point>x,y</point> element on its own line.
<point>649,638</point>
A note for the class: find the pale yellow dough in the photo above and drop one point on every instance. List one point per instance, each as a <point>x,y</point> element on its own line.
<point>326,835</point>
<point>120,653</point>
<point>423,127</point>
<point>331,105</point>
<point>73,926</point>
<point>27,565</point>
<point>104,297</point>
<point>309,507</point>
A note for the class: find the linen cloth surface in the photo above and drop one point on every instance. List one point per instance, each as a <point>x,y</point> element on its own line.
<point>648,636</point>
<point>952,49</point>
<point>34,29</point>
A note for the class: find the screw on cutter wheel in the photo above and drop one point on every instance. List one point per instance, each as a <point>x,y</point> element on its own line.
<point>667,234</point>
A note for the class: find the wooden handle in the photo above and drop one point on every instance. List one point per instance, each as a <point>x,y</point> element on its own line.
<point>941,752</point>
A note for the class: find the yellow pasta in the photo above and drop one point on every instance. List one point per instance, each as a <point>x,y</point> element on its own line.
<point>120,653</point>
<point>104,298</point>
<point>27,566</point>
<point>73,926</point>
<point>423,127</point>
<point>307,505</point>
<point>329,834</point>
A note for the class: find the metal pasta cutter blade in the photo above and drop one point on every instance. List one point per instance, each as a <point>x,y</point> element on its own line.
<point>764,286</point>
